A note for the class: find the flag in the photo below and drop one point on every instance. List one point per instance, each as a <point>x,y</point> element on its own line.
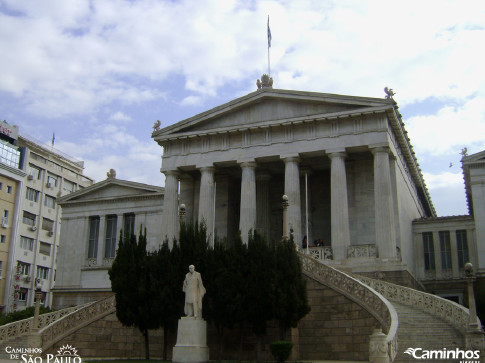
<point>53,138</point>
<point>269,34</point>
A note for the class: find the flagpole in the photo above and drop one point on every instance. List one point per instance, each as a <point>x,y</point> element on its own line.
<point>269,46</point>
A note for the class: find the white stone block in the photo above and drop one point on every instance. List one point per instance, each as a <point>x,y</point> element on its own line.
<point>191,346</point>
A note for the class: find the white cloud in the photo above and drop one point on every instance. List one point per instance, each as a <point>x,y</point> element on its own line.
<point>120,116</point>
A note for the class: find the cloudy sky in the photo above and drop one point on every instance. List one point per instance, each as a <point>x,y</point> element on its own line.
<point>100,73</point>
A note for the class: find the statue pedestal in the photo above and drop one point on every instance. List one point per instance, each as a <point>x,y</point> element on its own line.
<point>191,346</point>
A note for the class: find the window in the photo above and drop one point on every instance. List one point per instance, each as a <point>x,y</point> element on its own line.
<point>49,202</point>
<point>68,186</point>
<point>23,268</point>
<point>45,248</point>
<point>462,246</point>
<point>28,218</point>
<point>42,272</point>
<point>1,267</point>
<point>32,195</point>
<point>93,237</point>
<point>47,224</point>
<point>9,155</point>
<point>1,186</point>
<point>5,218</point>
<point>52,179</point>
<point>110,241</point>
<point>128,224</point>
<point>23,293</point>
<point>428,247</point>
<point>27,243</point>
<point>35,172</point>
<point>3,238</point>
<point>445,250</point>
<point>9,189</point>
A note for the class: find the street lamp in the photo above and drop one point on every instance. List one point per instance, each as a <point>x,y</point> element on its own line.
<point>38,296</point>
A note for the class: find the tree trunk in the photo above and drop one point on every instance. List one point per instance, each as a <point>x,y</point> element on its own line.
<point>147,345</point>
<point>258,348</point>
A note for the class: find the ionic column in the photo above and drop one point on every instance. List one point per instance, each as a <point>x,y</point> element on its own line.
<point>454,255</point>
<point>247,216</point>
<point>206,198</point>
<point>292,190</point>
<point>187,196</point>
<point>437,255</point>
<point>384,212</point>
<point>263,211</point>
<point>170,219</point>
<point>339,206</point>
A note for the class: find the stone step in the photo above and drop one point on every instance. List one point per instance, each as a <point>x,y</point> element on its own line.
<point>418,329</point>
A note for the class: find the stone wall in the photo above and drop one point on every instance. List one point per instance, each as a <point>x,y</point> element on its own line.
<point>335,329</point>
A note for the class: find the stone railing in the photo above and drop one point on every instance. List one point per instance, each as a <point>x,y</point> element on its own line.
<point>22,327</point>
<point>456,314</point>
<point>76,320</point>
<point>362,251</point>
<point>321,253</point>
<point>360,293</point>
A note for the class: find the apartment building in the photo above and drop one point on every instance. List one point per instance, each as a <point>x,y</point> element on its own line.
<point>33,233</point>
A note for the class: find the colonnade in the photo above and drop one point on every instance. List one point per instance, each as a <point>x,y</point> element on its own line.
<point>254,205</point>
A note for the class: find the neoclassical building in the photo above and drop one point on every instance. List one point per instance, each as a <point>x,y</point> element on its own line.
<point>353,183</point>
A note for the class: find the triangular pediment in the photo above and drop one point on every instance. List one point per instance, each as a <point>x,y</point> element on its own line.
<point>265,107</point>
<point>110,189</point>
<point>477,157</point>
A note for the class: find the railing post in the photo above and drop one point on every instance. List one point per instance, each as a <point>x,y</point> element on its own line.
<point>378,348</point>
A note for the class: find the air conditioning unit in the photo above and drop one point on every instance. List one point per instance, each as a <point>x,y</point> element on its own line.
<point>48,185</point>
<point>30,177</point>
<point>33,228</point>
<point>50,233</point>
<point>27,278</point>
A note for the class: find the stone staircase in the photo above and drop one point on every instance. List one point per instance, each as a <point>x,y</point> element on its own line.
<point>418,329</point>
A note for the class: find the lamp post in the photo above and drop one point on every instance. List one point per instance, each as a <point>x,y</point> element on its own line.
<point>285,204</point>
<point>38,296</point>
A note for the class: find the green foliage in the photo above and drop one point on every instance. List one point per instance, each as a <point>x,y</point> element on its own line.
<point>22,314</point>
<point>281,350</point>
<point>131,281</point>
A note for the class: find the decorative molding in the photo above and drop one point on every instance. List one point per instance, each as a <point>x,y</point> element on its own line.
<point>362,251</point>
<point>321,253</point>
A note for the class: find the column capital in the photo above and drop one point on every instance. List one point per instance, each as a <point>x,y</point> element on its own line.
<point>379,149</point>
<point>248,164</point>
<point>290,159</point>
<point>207,168</point>
<point>171,172</point>
<point>337,154</point>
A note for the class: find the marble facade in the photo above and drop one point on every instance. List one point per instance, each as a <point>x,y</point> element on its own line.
<point>350,155</point>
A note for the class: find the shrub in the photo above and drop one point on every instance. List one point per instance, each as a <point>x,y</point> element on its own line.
<point>281,350</point>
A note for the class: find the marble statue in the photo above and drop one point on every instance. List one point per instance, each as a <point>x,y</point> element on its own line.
<point>194,292</point>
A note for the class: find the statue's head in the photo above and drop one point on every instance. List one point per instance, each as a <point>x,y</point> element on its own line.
<point>191,268</point>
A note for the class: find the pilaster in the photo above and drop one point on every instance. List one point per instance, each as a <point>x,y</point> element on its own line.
<point>263,211</point>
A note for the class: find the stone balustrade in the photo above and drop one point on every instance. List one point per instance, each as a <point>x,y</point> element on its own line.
<point>321,253</point>
<point>371,300</point>
<point>68,324</point>
<point>22,327</point>
<point>369,250</point>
